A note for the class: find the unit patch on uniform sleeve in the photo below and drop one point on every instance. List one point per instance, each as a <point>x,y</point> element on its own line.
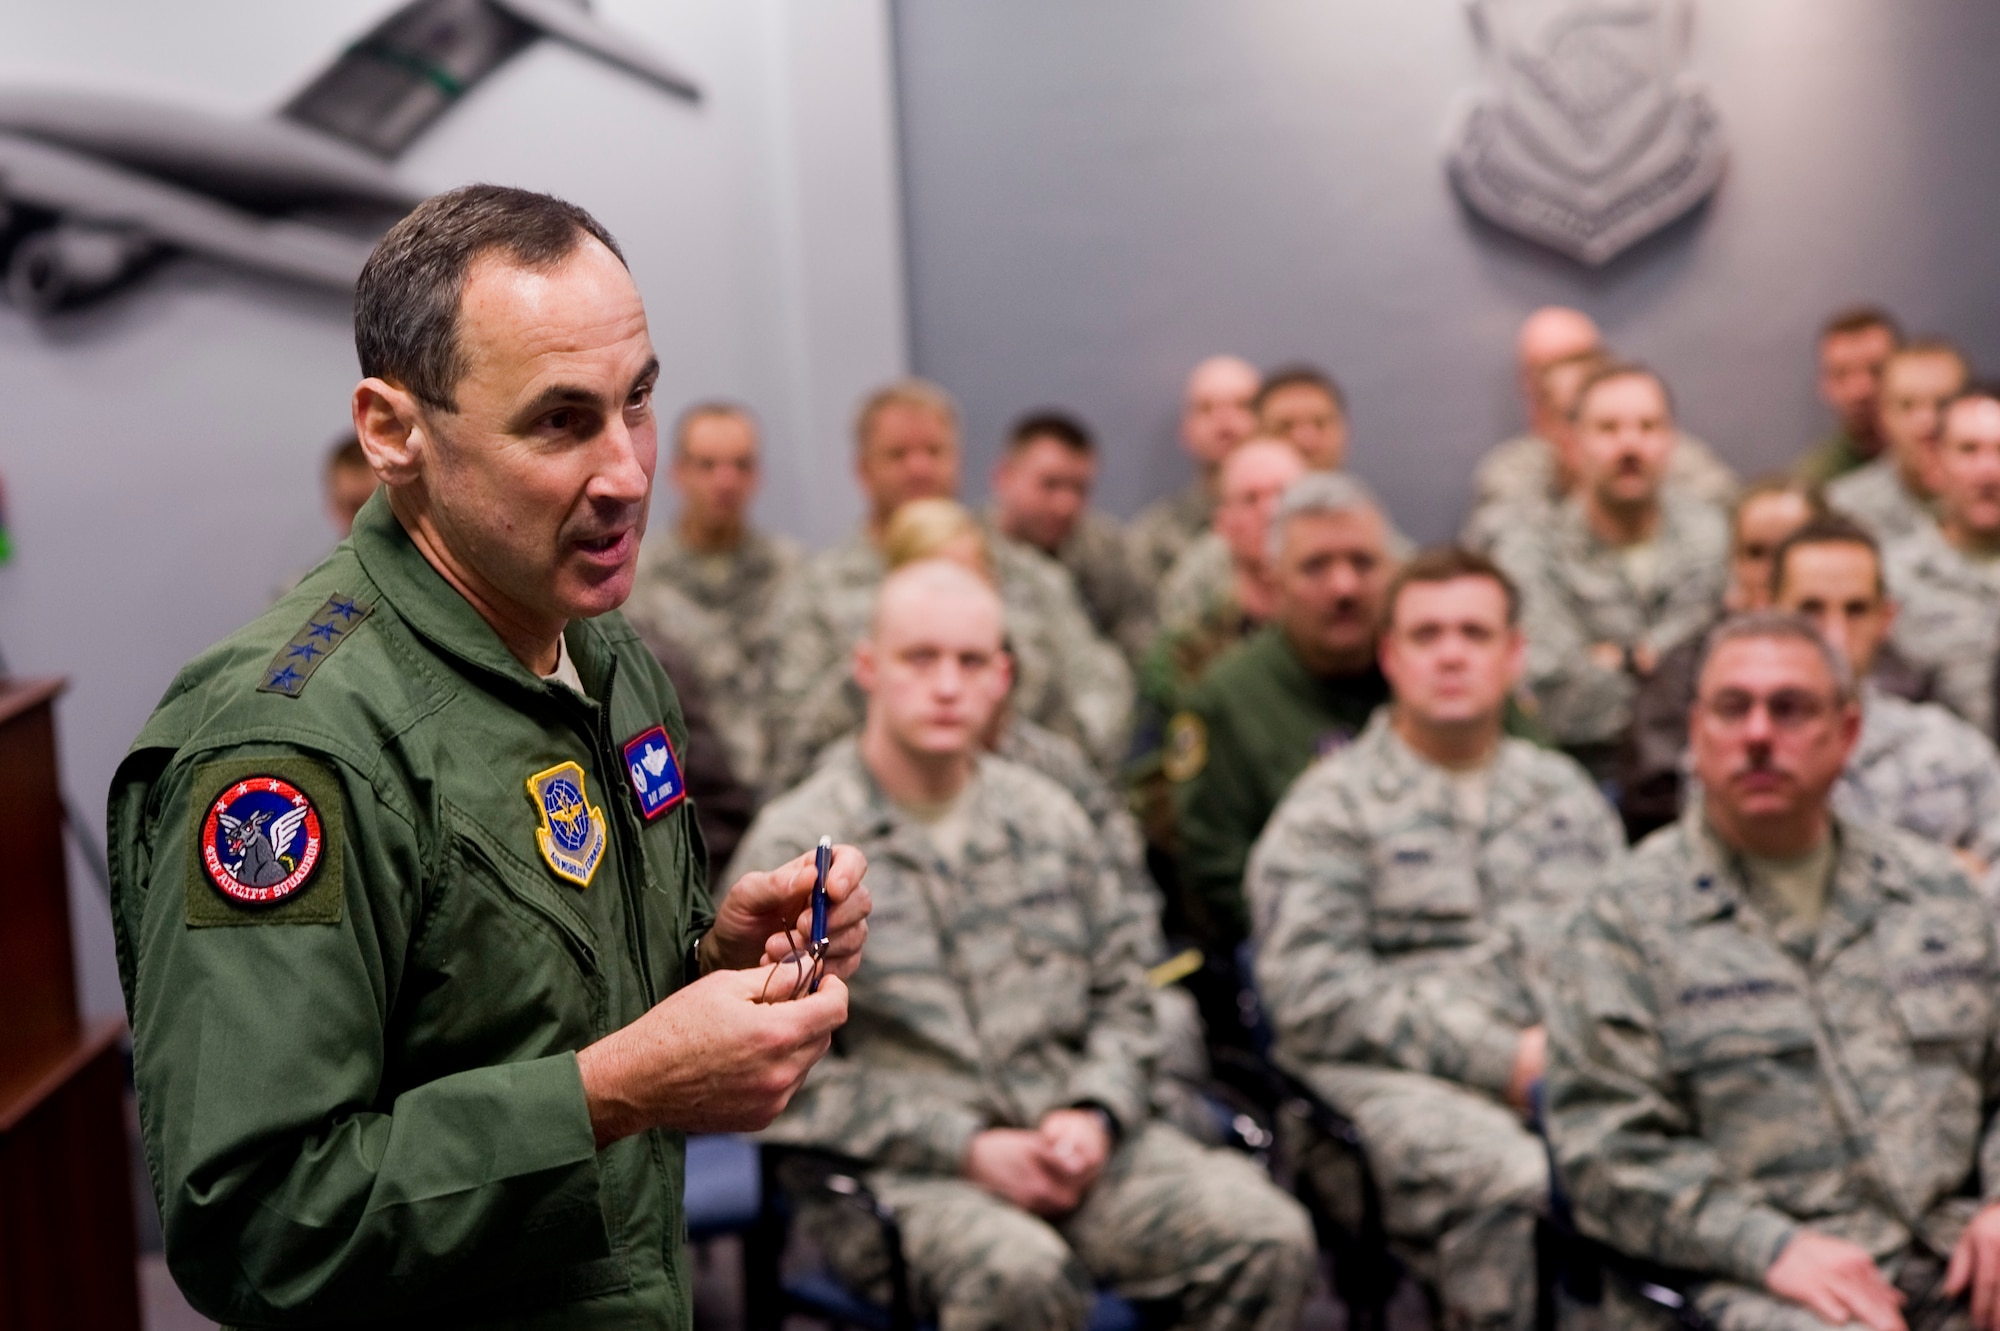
<point>1187,747</point>
<point>655,771</point>
<point>571,836</point>
<point>266,845</point>
<point>327,629</point>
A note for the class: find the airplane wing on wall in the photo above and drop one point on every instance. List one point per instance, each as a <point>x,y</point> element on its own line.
<point>264,164</point>
<point>111,221</point>
<point>94,187</point>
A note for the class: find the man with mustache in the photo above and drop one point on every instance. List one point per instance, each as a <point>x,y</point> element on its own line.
<point>1895,495</point>
<point>1300,688</point>
<point>1774,1043</point>
<point>1521,480</point>
<point>1947,574</point>
<point>439,1074</point>
<point>1620,573</point>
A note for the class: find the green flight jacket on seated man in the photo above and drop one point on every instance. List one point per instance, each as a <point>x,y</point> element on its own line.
<point>374,884</point>
<point>1256,720</point>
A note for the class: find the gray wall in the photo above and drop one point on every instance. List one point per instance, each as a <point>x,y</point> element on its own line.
<point>1100,193</point>
<point>162,453</point>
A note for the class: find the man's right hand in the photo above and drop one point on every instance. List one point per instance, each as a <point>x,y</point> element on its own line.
<point>712,1057</point>
<point>1023,1167</point>
<point>1837,1280</point>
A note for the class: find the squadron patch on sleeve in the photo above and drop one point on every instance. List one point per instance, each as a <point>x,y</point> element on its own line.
<point>571,836</point>
<point>655,771</point>
<point>266,844</point>
<point>327,629</point>
<point>1186,749</point>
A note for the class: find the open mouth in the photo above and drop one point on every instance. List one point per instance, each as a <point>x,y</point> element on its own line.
<point>609,546</point>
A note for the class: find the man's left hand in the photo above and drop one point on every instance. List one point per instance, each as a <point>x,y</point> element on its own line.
<point>1078,1144</point>
<point>1975,1266</point>
<point>750,923</point>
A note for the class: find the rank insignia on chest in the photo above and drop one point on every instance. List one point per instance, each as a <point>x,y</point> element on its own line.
<point>571,836</point>
<point>655,772</point>
<point>261,841</point>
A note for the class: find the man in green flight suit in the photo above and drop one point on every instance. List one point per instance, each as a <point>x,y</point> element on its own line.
<point>424,979</point>
<point>1298,689</point>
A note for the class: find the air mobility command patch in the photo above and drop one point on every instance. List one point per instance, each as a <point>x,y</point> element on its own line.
<point>327,629</point>
<point>571,836</point>
<point>655,771</point>
<point>266,844</point>
<point>1187,747</point>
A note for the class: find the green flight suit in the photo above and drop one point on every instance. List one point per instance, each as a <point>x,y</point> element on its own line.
<point>1256,720</point>
<point>362,1103</point>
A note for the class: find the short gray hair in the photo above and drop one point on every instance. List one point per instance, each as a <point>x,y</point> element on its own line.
<point>1328,492</point>
<point>1784,626</point>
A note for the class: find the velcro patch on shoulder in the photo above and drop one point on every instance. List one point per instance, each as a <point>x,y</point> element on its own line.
<point>327,629</point>
<point>265,845</point>
<point>1187,747</point>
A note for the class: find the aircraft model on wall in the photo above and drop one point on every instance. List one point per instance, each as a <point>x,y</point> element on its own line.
<point>96,188</point>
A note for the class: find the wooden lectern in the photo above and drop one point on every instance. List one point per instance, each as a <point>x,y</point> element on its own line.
<point>66,1234</point>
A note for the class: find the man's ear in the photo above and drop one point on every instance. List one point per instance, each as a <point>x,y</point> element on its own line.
<point>863,666</point>
<point>391,430</point>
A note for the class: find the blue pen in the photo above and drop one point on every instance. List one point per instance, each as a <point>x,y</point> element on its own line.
<point>822,861</point>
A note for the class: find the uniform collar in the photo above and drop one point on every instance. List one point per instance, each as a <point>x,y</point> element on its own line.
<point>1401,772</point>
<point>436,611</point>
<point>879,817</point>
<point>1862,884</point>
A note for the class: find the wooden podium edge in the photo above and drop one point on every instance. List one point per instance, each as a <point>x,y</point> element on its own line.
<point>86,1048</point>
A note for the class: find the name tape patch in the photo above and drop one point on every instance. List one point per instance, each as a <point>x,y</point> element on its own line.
<point>655,772</point>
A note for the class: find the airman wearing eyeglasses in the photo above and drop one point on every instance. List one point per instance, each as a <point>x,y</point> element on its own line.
<point>1406,893</point>
<point>1774,1052</point>
<point>996,1073</point>
<point>1916,765</point>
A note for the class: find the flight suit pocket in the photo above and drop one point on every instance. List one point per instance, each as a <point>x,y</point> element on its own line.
<point>1426,892</point>
<point>525,943</point>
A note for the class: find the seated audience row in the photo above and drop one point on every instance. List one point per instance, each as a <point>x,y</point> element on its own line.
<point>1400,779</point>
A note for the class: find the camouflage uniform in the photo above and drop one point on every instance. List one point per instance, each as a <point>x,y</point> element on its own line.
<point>712,607</point>
<point>1515,486</point>
<point>990,995</point>
<point>1066,677</point>
<point>1118,601</point>
<point>1400,954</point>
<point>1575,592</point>
<point>1204,576</point>
<point>1166,527</point>
<point>1922,769</point>
<point>1876,497</point>
<point>1719,1076</point>
<point>1947,621</point>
